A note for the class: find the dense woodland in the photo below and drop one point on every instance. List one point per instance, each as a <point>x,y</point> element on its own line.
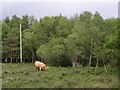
<point>85,39</point>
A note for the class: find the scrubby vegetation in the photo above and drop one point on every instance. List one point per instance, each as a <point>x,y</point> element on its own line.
<point>25,76</point>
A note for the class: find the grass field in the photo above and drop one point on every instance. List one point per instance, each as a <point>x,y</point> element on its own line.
<point>25,76</point>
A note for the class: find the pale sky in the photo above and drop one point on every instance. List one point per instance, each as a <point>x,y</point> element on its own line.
<point>107,9</point>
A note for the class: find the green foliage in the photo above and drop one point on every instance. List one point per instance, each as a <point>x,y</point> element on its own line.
<point>86,16</point>
<point>5,30</point>
<point>25,22</point>
<point>71,45</point>
<point>11,43</point>
<point>56,39</point>
<point>52,51</point>
<point>15,22</point>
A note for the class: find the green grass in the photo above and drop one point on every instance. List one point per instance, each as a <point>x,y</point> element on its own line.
<point>25,76</point>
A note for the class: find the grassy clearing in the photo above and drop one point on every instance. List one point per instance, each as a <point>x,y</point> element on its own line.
<point>25,76</point>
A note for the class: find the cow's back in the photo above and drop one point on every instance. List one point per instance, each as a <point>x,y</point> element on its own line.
<point>37,63</point>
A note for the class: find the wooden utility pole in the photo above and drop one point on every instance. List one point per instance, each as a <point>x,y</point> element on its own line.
<point>20,45</point>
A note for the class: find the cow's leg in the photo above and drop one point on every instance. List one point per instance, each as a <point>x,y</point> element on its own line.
<point>40,68</point>
<point>37,68</point>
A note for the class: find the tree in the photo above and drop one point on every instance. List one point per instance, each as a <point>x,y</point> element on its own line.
<point>87,17</point>
<point>31,20</point>
<point>111,47</point>
<point>72,48</point>
<point>10,37</point>
<point>5,31</point>
<point>50,24</point>
<point>52,51</point>
<point>11,44</point>
<point>15,22</point>
<point>25,22</point>
<point>33,38</point>
<point>7,21</point>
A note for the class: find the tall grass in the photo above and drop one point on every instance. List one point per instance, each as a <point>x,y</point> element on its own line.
<point>26,76</point>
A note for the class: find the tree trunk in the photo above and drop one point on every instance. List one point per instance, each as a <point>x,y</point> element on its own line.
<point>82,61</point>
<point>11,59</point>
<point>6,59</point>
<point>97,63</point>
<point>73,64</point>
<point>108,64</point>
<point>32,59</point>
<point>74,61</point>
<point>90,60</point>
<point>104,66</point>
<point>90,52</point>
<point>33,56</point>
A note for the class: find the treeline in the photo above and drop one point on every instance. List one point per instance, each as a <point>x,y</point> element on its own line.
<point>85,39</point>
